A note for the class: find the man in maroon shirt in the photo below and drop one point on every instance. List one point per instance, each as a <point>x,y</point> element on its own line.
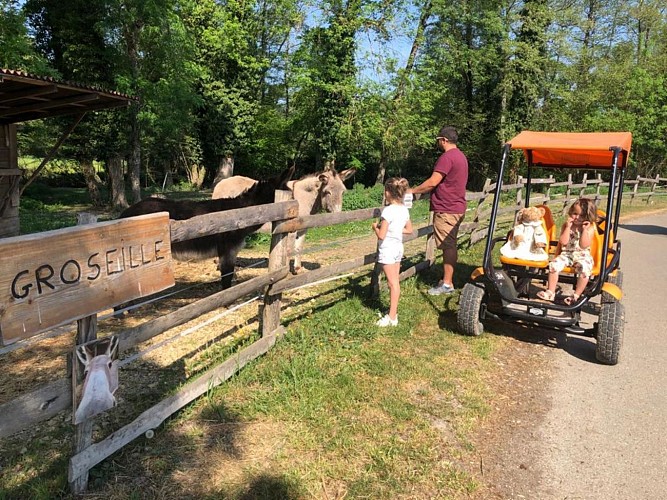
<point>447,186</point>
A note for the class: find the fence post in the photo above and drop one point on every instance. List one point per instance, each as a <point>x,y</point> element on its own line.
<point>648,198</point>
<point>634,190</point>
<point>86,330</point>
<point>278,258</point>
<point>548,193</point>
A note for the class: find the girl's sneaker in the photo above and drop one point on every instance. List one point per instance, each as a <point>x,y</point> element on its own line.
<point>386,321</point>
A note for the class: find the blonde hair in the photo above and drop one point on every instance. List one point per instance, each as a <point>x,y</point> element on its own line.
<point>588,209</point>
<point>396,187</point>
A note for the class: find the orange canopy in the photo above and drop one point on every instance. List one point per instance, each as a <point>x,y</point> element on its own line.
<point>573,149</point>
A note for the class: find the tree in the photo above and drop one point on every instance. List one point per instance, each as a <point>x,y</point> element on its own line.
<point>76,47</point>
<point>16,47</point>
<point>230,69</point>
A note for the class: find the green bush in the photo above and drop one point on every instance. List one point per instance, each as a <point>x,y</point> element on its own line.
<point>362,197</point>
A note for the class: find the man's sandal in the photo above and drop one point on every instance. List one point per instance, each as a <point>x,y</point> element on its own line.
<point>572,299</point>
<point>546,295</point>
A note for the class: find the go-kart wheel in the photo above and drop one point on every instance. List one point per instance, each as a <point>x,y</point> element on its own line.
<point>610,332</point>
<point>470,303</point>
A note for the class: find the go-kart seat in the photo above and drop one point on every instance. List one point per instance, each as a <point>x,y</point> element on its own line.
<point>550,230</point>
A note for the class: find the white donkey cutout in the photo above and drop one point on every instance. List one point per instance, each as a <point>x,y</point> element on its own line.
<point>101,382</point>
<point>314,192</point>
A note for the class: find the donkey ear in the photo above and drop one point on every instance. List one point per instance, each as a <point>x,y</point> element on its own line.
<point>280,181</point>
<point>82,354</point>
<point>324,178</point>
<point>112,350</point>
<point>288,174</point>
<point>346,174</point>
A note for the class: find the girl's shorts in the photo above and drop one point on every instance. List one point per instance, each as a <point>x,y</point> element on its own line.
<point>390,255</point>
<point>581,261</point>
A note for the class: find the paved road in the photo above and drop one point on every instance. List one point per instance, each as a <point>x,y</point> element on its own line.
<point>605,436</point>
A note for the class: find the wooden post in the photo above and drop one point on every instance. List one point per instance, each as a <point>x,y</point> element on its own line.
<point>86,330</point>
<point>648,198</point>
<point>584,181</point>
<point>548,193</point>
<point>278,258</point>
<point>568,193</point>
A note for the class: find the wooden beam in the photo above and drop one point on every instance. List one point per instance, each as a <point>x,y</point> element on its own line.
<point>39,405</point>
<point>130,338</point>
<point>278,259</point>
<point>52,152</point>
<point>27,93</point>
<point>51,104</point>
<point>229,220</point>
<point>321,220</point>
<point>321,273</point>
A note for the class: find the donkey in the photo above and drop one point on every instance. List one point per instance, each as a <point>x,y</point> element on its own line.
<point>224,246</point>
<point>314,192</point>
<point>101,378</point>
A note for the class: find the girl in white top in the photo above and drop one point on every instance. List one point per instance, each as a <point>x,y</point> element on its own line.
<point>394,223</point>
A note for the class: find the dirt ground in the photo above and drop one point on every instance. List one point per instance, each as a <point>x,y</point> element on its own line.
<point>506,455</point>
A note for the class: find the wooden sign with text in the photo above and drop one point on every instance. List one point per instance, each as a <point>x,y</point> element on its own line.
<point>52,278</point>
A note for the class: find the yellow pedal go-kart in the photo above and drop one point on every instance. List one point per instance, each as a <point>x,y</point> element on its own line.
<point>508,292</point>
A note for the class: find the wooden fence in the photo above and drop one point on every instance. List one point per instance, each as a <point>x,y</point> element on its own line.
<point>50,399</point>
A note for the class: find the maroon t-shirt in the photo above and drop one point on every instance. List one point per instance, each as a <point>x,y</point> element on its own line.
<point>450,195</point>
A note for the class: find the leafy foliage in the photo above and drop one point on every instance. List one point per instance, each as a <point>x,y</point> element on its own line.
<point>261,85</point>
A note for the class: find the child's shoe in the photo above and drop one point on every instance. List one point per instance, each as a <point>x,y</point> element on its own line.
<point>386,321</point>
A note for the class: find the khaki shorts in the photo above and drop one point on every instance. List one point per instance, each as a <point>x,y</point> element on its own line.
<point>446,229</point>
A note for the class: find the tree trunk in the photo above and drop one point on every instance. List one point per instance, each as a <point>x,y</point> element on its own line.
<point>225,168</point>
<point>117,182</point>
<point>92,182</point>
<point>382,169</point>
<point>196,174</point>
<point>132,34</point>
<point>134,169</point>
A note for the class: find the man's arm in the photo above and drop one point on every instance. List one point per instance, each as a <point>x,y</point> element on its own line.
<point>428,185</point>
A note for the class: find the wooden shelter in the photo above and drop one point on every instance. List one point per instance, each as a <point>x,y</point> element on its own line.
<point>25,97</point>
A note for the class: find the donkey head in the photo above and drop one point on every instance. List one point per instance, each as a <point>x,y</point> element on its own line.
<point>101,377</point>
<point>332,187</point>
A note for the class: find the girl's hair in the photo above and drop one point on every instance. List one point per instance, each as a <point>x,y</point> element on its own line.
<point>396,187</point>
<point>588,209</point>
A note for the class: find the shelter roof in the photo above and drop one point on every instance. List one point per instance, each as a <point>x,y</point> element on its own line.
<point>25,97</point>
<point>573,149</point>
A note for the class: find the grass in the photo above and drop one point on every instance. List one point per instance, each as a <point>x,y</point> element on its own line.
<point>342,406</point>
<point>338,408</point>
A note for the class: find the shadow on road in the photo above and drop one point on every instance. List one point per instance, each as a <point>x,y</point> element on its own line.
<point>644,228</point>
<point>582,348</point>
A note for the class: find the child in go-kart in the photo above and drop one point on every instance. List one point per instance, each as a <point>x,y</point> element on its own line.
<point>575,242</point>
